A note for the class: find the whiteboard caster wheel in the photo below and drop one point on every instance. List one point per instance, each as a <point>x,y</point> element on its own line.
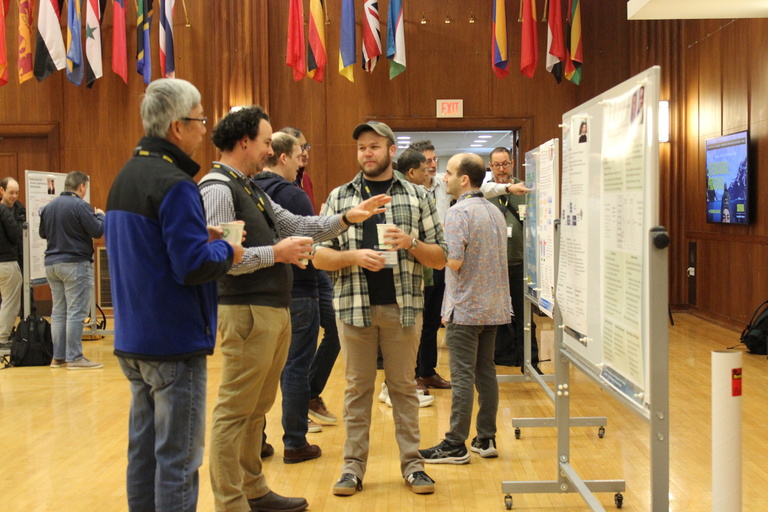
<point>508,501</point>
<point>618,499</point>
<point>517,433</point>
<point>601,432</point>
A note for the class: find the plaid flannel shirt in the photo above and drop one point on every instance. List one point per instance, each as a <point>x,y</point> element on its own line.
<point>411,210</point>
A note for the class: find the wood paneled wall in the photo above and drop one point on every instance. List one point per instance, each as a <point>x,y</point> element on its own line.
<point>234,52</point>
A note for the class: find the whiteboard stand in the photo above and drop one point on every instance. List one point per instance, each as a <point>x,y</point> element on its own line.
<point>530,374</point>
<point>568,480</point>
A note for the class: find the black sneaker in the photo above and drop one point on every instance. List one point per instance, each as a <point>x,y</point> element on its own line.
<point>347,485</point>
<point>485,447</point>
<point>420,483</point>
<point>446,453</point>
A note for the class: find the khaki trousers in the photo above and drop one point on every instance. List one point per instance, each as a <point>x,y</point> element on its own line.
<point>399,345</point>
<point>254,345</point>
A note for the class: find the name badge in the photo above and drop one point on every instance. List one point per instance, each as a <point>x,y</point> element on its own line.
<point>390,259</point>
<point>509,231</point>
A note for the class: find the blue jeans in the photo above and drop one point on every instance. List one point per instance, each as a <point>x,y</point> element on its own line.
<point>294,383</point>
<point>328,351</point>
<point>71,285</point>
<point>166,433</point>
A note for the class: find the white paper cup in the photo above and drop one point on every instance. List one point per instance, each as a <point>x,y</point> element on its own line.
<point>521,211</point>
<point>233,232</point>
<point>382,229</point>
<point>308,239</point>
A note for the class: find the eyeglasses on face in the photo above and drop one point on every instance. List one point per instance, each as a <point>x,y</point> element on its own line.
<point>502,165</point>
<point>203,120</point>
<point>432,160</point>
<point>306,147</point>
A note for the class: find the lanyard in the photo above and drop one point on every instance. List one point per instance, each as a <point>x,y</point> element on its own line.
<point>248,190</point>
<point>381,218</point>
<point>153,154</point>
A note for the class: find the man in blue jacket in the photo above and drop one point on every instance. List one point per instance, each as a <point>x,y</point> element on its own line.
<point>163,263</point>
<point>69,224</point>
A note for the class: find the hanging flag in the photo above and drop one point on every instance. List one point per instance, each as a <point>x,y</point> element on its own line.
<point>395,38</point>
<point>26,7</point>
<point>294,51</point>
<point>555,42</point>
<point>574,57</point>
<point>94,12</point>
<point>75,69</point>
<point>4,7</point>
<point>143,25</point>
<point>316,57</point>
<point>347,56</point>
<point>49,54</point>
<point>371,35</point>
<point>529,48</point>
<point>499,60</point>
<point>167,60</point>
<point>119,47</point>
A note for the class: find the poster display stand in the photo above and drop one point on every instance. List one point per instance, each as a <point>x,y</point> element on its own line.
<point>611,287</point>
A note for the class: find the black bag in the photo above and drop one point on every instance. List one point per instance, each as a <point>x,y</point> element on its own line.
<point>32,342</point>
<point>755,335</point>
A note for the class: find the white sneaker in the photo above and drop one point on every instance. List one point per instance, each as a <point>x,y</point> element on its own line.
<point>384,395</point>
<point>425,399</point>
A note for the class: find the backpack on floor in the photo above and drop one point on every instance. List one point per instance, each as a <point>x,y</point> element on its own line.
<point>755,335</point>
<point>32,343</point>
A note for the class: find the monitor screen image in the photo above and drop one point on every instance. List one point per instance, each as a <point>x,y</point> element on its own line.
<point>728,178</point>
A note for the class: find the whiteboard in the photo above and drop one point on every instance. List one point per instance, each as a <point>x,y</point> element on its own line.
<point>39,194</point>
<point>609,203</point>
<point>541,176</point>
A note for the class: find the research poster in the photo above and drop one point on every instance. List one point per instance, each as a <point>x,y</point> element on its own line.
<point>623,171</point>
<point>41,189</point>
<point>572,280</point>
<point>531,226</point>
<point>547,213</point>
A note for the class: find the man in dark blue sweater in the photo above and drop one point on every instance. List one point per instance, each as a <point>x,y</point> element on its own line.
<point>70,225</point>
<point>163,265</point>
<point>277,181</point>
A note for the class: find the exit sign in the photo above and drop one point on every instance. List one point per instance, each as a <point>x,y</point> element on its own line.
<point>450,108</point>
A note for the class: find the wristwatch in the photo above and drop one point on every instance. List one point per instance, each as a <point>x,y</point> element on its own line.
<point>414,244</point>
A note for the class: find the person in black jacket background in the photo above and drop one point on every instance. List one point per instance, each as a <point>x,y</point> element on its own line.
<point>10,273</point>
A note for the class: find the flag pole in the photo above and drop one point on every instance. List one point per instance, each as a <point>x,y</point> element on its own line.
<point>186,16</point>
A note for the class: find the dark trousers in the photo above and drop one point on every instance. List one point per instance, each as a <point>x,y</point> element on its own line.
<point>426,359</point>
<point>326,354</point>
<point>510,337</point>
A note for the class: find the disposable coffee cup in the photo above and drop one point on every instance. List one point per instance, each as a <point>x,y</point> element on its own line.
<point>233,232</point>
<point>308,239</point>
<point>521,211</point>
<point>381,230</point>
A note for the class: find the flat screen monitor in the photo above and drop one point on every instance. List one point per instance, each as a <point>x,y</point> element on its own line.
<point>728,178</point>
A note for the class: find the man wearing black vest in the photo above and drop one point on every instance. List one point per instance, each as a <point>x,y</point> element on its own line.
<point>254,300</point>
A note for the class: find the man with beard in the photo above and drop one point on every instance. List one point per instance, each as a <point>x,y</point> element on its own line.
<point>378,299</point>
<point>254,300</point>
<point>510,337</point>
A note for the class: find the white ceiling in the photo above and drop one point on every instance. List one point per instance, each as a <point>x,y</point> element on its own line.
<point>448,144</point>
<point>696,9</point>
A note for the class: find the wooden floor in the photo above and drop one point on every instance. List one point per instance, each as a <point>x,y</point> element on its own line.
<point>64,441</point>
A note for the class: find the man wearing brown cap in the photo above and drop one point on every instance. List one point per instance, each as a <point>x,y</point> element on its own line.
<point>379,301</point>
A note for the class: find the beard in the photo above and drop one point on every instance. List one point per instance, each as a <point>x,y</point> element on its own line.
<point>378,170</point>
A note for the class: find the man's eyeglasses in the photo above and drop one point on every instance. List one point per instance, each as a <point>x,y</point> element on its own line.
<point>502,165</point>
<point>306,147</point>
<point>201,119</point>
<point>432,160</point>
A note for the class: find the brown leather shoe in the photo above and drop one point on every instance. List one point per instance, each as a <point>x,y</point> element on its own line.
<point>434,381</point>
<point>307,452</point>
<point>267,450</point>
<point>273,502</point>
